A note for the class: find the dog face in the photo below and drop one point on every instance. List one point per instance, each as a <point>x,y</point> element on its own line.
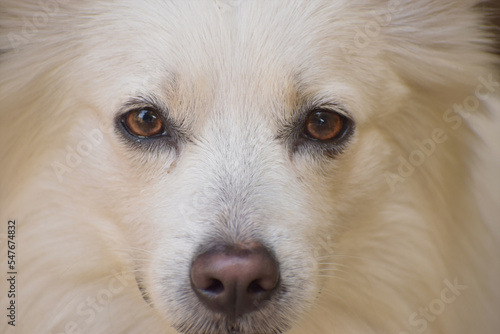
<point>227,144</point>
<point>237,150</point>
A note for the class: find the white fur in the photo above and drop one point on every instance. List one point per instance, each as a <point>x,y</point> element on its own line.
<point>360,247</point>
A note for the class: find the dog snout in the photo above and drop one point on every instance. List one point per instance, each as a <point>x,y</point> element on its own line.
<point>235,280</point>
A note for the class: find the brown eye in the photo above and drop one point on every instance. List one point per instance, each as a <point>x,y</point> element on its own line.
<point>324,125</point>
<point>143,123</point>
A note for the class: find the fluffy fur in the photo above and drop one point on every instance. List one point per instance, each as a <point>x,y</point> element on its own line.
<point>377,238</point>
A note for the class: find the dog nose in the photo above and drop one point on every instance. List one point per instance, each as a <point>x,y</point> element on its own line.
<point>235,280</point>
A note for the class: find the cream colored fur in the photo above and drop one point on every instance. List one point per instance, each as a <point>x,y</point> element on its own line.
<point>367,243</point>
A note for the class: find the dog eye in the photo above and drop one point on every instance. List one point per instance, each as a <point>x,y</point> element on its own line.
<point>325,125</point>
<point>143,123</point>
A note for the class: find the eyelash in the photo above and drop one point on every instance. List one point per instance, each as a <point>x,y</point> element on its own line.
<point>166,141</point>
<point>302,144</point>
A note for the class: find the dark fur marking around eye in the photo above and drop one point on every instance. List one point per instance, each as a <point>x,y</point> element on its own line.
<point>310,133</point>
<point>165,133</point>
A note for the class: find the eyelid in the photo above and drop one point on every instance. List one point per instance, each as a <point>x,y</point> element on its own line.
<point>333,107</point>
<point>322,105</point>
<point>131,130</point>
<point>129,108</point>
<point>173,135</point>
<point>144,102</point>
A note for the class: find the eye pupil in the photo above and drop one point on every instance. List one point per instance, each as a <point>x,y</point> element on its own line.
<point>146,116</point>
<point>324,125</point>
<point>143,123</point>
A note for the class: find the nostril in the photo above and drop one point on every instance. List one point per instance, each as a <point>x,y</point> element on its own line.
<point>216,287</point>
<point>255,287</point>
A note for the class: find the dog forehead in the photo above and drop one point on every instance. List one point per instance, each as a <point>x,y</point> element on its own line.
<point>224,40</point>
<point>225,56</point>
<point>244,58</point>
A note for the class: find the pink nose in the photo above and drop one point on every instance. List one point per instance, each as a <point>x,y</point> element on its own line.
<point>233,280</point>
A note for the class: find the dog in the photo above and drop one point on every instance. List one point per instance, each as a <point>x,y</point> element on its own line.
<point>248,167</point>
